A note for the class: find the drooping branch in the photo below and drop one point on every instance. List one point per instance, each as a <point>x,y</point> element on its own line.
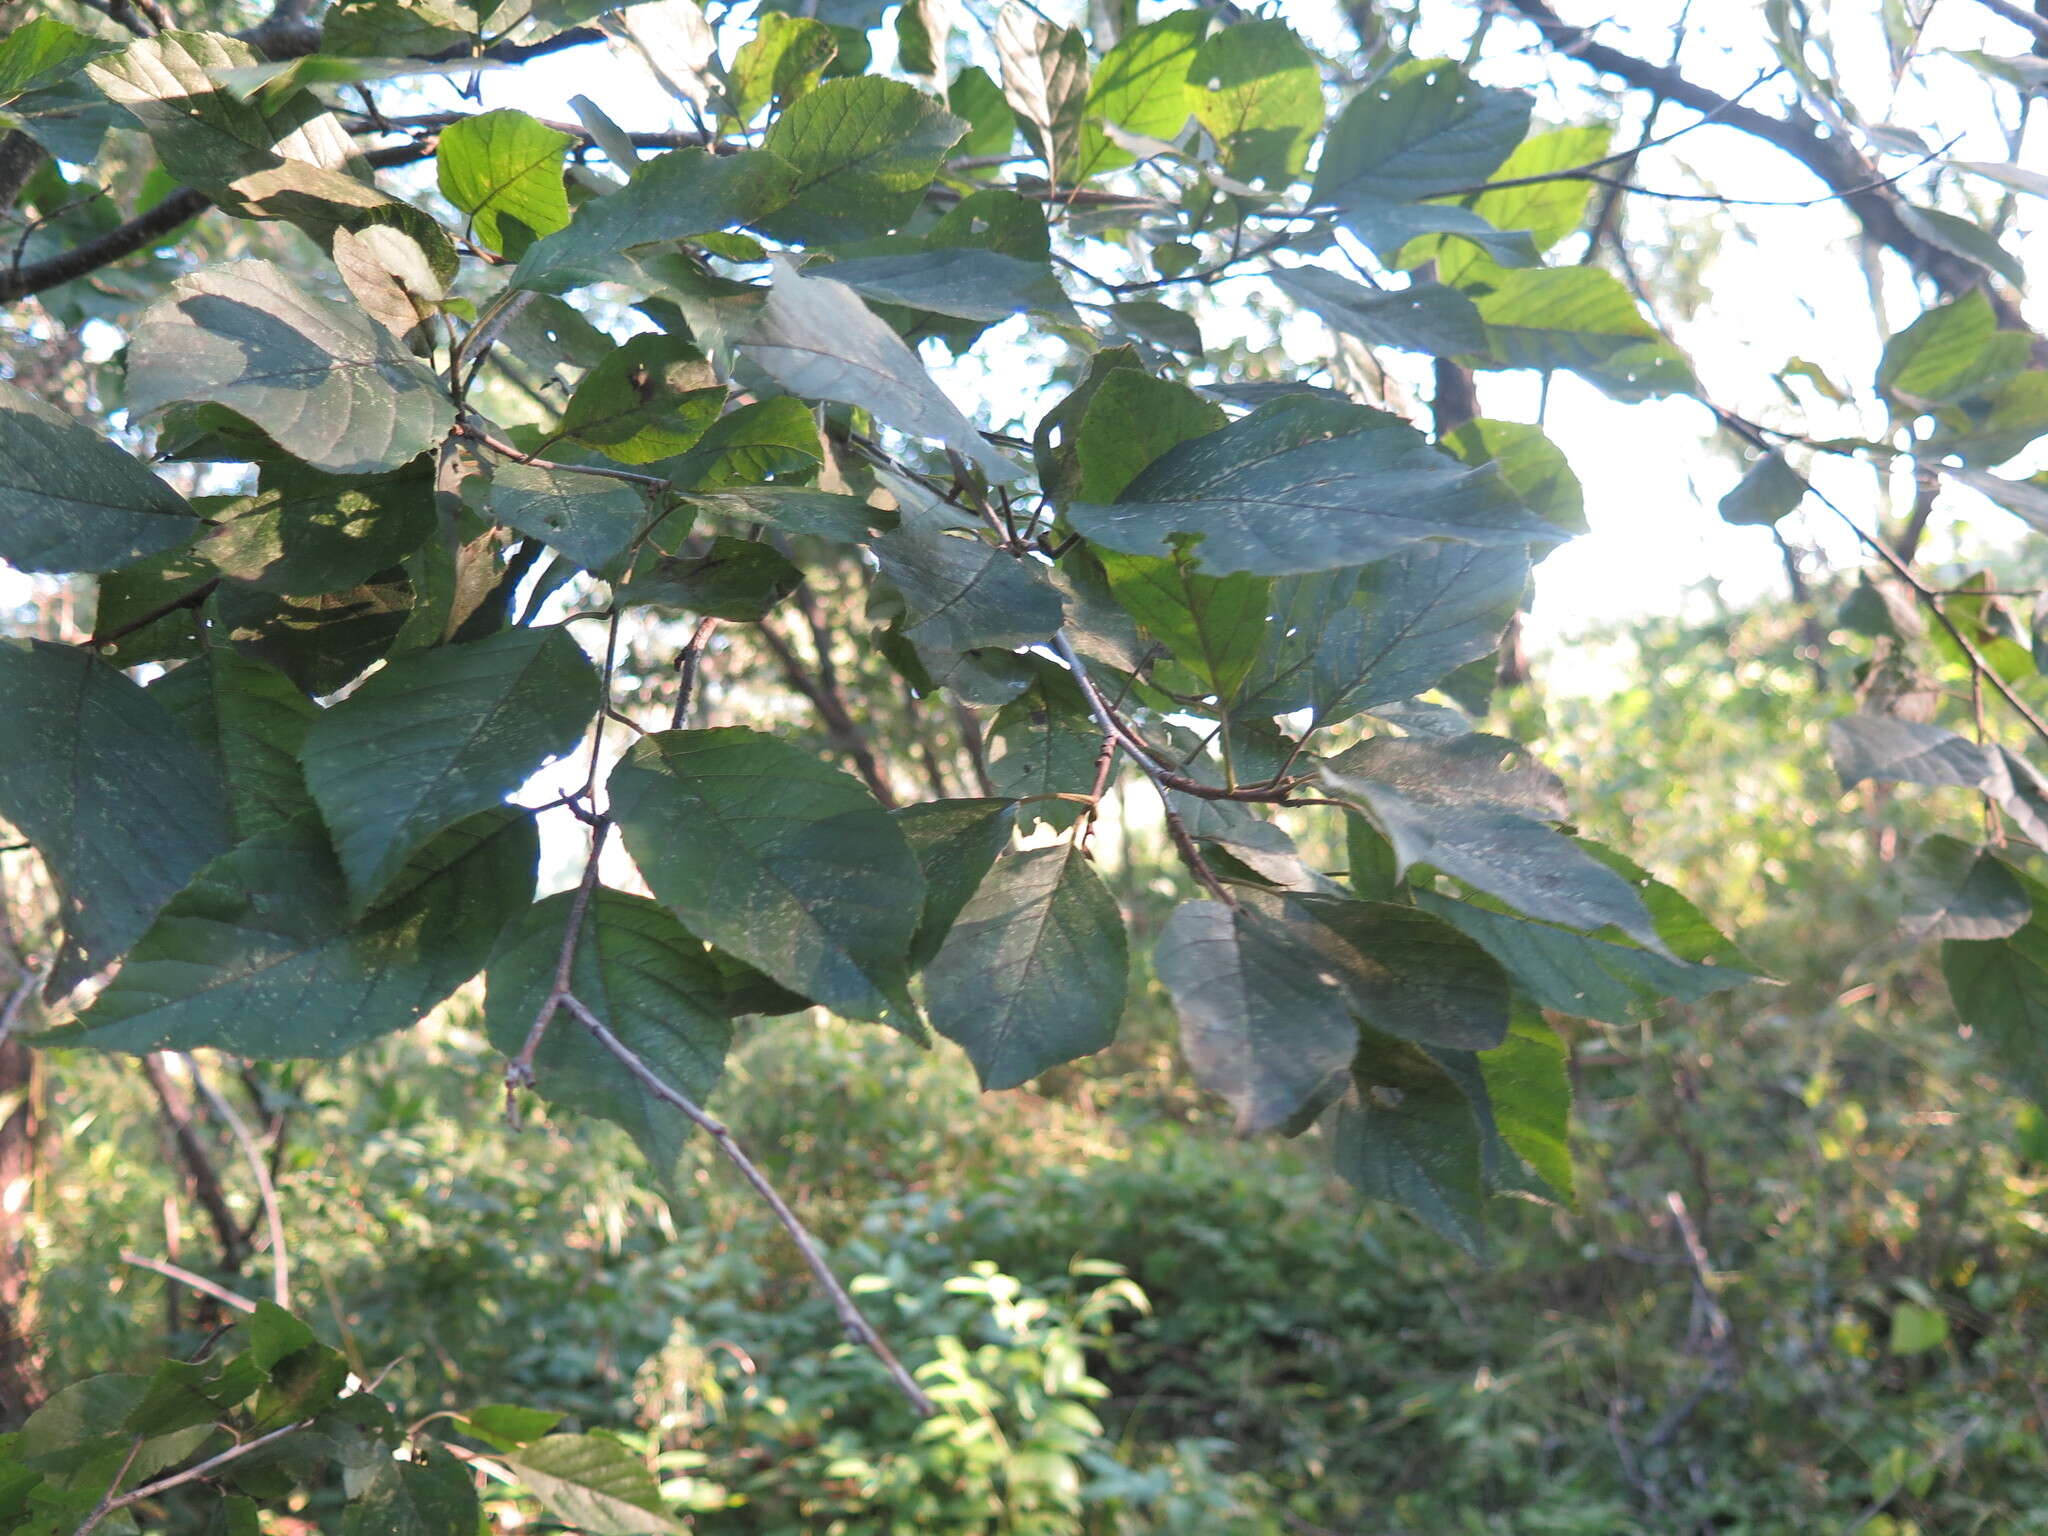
<point>857,1327</point>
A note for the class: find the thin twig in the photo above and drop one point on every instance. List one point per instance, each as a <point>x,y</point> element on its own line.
<point>200,1283</point>
<point>192,1474</point>
<point>273,1215</point>
<point>688,661</point>
<point>857,1327</point>
<point>519,1070</point>
<point>1931,600</point>
<point>17,1000</point>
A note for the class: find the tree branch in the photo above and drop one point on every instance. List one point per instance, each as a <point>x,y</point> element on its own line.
<point>200,1283</point>
<point>206,1185</point>
<point>1837,162</point>
<point>857,1327</point>
<point>147,228</point>
<point>273,1215</point>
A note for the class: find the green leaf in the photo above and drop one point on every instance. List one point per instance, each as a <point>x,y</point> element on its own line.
<point>1342,642</point>
<point>1045,79</point>
<point>72,501</point>
<point>737,579</point>
<point>964,281</point>
<point>319,642</point>
<point>1529,1092</point>
<point>780,62</point>
<point>504,169</point>
<point>275,1335</point>
<point>1406,1134</point>
<point>1604,977</point>
<point>1128,420</point>
<point>324,380</point>
<point>1580,318</point>
<point>41,51</point>
<point>1402,971</point>
<point>1533,466</point>
<point>777,859</point>
<point>1956,891</point>
<point>184,1394</point>
<point>813,514</point>
<point>1307,484</point>
<point>1768,490</point>
<point>1423,131</point>
<point>1964,238</point>
<point>1259,1024</point>
<point>1045,742</point>
<point>250,721</point>
<point>1212,625</point>
<point>961,592</point>
<point>415,1498</point>
<point>2000,989</point>
<point>992,126</point>
<point>117,799</point>
<point>1951,352</point>
<point>440,735</point>
<point>274,156</point>
<point>672,197</point>
<point>263,955</point>
<point>653,985</point>
<point>1548,210</point>
<point>1142,87</point>
<point>587,518</point>
<point>1475,807</point>
<point>306,532</point>
<point>956,841</point>
<point>1916,1329</point>
<point>652,398</point>
<point>1258,91</point>
<point>815,338</point>
<point>1034,971</point>
<point>863,151</point>
<point>76,1436</point>
<point>507,1426</point>
<point>763,440</point>
<point>592,1483</point>
<point>1890,750</point>
<point>1423,317</point>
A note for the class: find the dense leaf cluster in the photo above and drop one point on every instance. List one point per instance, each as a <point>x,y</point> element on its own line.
<point>274,789</point>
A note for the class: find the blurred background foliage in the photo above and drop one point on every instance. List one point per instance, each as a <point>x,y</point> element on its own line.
<point>1803,1290</point>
